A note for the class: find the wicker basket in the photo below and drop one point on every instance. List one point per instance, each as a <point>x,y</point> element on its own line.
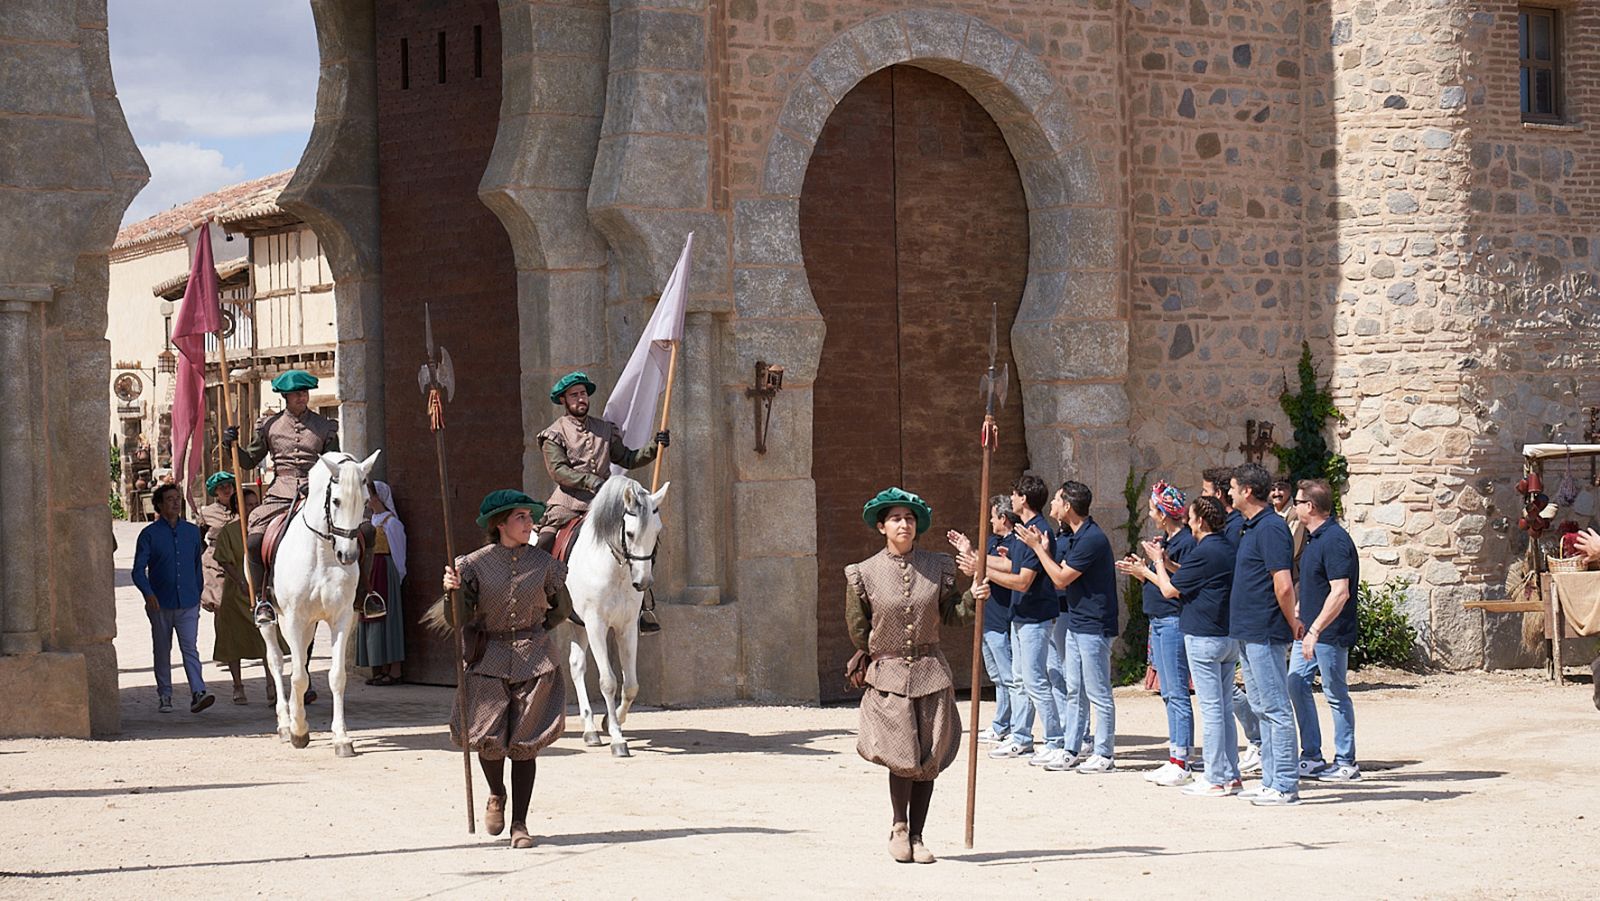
<point>1572,564</point>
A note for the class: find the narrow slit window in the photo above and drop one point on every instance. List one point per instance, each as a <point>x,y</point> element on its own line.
<point>405,64</point>
<point>477,51</point>
<point>1539,52</point>
<point>441,57</point>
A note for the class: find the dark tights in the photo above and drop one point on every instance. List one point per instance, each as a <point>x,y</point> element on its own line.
<point>906,796</point>
<point>522,775</point>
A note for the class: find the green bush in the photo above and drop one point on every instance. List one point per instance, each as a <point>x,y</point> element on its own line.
<point>1384,638</point>
<point>115,498</point>
<point>1129,667</point>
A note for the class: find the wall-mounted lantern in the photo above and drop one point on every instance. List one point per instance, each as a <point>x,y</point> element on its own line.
<point>769,381</point>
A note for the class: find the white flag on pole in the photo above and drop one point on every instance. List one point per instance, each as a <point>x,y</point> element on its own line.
<point>634,401</point>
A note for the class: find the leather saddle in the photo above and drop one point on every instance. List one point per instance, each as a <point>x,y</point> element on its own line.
<point>276,526</point>
<point>566,535</point>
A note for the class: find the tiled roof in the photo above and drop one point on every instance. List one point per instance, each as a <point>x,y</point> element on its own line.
<point>251,196</point>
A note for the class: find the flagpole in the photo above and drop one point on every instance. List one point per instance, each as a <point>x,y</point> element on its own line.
<point>666,408</point>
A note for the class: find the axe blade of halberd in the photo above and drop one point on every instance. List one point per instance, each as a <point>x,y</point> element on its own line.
<point>447,374</point>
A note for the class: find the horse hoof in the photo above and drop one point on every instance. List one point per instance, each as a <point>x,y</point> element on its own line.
<point>300,741</point>
<point>344,749</point>
<point>283,734</point>
<point>620,750</point>
<point>592,739</point>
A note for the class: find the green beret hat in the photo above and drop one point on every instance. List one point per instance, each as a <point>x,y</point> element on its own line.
<point>507,499</point>
<point>294,380</point>
<point>567,381</point>
<point>217,478</point>
<point>897,497</point>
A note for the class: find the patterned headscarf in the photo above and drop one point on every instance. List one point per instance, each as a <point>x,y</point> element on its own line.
<point>1169,500</point>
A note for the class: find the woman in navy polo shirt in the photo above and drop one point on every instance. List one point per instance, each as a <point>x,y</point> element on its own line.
<point>1202,585</point>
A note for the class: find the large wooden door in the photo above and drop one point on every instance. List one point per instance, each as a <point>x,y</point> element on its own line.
<point>913,223</point>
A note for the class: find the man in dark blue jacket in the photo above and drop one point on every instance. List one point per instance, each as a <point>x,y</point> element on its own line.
<point>166,569</point>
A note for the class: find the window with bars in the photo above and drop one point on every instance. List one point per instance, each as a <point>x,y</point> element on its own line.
<point>1539,47</point>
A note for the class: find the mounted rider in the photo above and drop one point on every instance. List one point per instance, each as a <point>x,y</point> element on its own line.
<point>295,437</point>
<point>578,452</point>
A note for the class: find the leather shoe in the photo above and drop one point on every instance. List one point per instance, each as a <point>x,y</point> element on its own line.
<point>920,852</point>
<point>494,814</point>
<point>900,843</point>
<point>520,838</point>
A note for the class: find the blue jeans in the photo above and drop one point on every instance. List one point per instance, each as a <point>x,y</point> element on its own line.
<point>1012,712</point>
<point>1211,662</point>
<point>1031,660</point>
<point>1086,673</point>
<point>1249,724</point>
<point>1267,679</point>
<point>186,622</point>
<point>1172,663</point>
<point>1334,663</point>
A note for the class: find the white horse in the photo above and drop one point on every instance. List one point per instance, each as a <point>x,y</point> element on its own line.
<point>314,580</point>
<point>611,566</point>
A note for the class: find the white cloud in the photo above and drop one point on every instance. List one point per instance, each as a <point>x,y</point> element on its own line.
<point>179,173</point>
<point>188,71</point>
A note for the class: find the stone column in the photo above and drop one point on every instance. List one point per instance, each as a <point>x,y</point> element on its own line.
<point>705,534</point>
<point>19,503</point>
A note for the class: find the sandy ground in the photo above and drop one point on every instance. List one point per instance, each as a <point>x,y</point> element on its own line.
<point>1478,786</point>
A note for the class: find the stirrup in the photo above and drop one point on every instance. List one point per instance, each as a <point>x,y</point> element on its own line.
<point>647,623</point>
<point>265,613</point>
<point>373,606</point>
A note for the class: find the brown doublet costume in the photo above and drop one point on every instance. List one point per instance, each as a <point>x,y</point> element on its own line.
<point>893,608</point>
<point>516,696</point>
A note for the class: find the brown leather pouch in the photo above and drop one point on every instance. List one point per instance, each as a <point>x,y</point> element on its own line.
<point>855,672</point>
<point>476,640</point>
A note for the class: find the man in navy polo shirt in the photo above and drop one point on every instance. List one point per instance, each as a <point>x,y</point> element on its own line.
<point>1013,712</point>
<point>166,569</point>
<point>1261,617</point>
<point>1329,573</point>
<point>1033,613</point>
<point>1085,569</point>
<point>1214,483</point>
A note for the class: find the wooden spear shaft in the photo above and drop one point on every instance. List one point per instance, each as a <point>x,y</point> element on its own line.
<point>666,409</point>
<point>979,574</point>
<point>238,493</point>
<point>435,410</point>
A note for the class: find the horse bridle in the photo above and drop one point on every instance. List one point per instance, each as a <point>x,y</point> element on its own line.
<point>626,557</point>
<point>327,513</point>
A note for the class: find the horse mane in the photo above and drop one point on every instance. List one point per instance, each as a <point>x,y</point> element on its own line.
<point>609,508</point>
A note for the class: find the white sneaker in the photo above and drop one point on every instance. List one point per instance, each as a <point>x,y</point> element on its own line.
<point>1309,769</point>
<point>1160,771</point>
<point>989,737</point>
<point>1097,764</point>
<point>1046,757</point>
<point>1067,761</point>
<point>1251,793</point>
<point>1176,776</point>
<point>1344,772</point>
<point>1271,797</point>
<point>1250,759</point>
<point>1007,750</point>
<point>1203,789</point>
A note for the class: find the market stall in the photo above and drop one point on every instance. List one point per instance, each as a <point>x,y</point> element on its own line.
<point>1557,583</point>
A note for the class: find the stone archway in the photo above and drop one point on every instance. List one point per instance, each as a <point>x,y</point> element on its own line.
<point>1070,337</point>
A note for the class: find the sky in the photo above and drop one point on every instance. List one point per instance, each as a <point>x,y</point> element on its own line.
<point>215,91</point>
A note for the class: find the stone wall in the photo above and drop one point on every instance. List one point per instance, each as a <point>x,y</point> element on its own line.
<point>69,168</point>
<point>1443,382</point>
<point>1217,97</point>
